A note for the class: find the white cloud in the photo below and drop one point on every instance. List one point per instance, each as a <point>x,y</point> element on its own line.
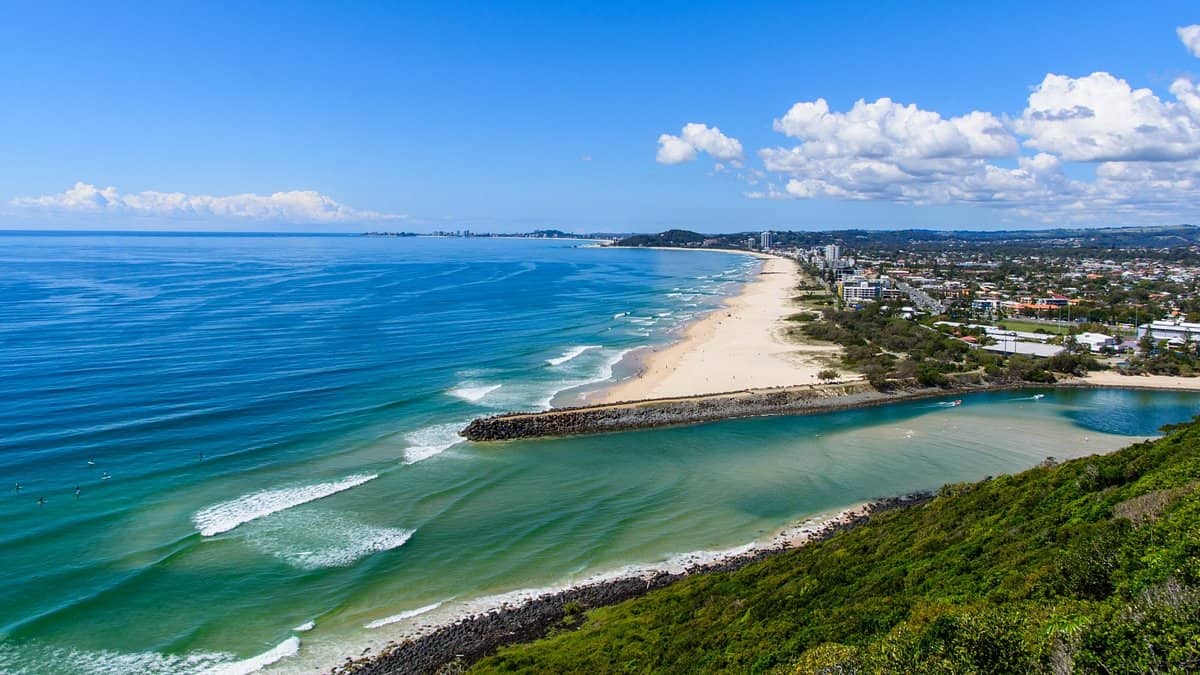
<point>885,150</point>
<point>296,206</point>
<point>695,137</point>
<point>1190,36</point>
<point>887,130</point>
<point>712,141</point>
<point>1143,149</point>
<point>674,150</point>
<point>1101,118</point>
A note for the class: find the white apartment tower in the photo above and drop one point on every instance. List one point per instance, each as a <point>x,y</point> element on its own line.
<point>832,252</point>
<point>766,240</point>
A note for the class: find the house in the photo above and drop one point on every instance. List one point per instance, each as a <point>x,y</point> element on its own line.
<point>1096,341</point>
<point>1009,345</point>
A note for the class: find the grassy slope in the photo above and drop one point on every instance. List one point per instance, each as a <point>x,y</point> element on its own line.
<point>1092,565</point>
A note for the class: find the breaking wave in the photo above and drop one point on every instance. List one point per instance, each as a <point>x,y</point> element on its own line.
<point>402,616</point>
<point>571,354</point>
<point>312,540</point>
<point>473,393</point>
<point>432,440</point>
<point>225,516</point>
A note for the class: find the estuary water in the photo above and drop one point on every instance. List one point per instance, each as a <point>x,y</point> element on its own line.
<point>247,450</point>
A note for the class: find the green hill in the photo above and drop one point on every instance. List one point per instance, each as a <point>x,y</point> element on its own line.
<point>684,238</point>
<point>1088,566</point>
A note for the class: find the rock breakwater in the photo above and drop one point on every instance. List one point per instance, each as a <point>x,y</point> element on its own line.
<point>672,411</point>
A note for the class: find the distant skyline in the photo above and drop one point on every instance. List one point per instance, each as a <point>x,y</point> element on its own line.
<point>623,117</point>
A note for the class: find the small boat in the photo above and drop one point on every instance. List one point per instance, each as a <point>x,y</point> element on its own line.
<point>1038,397</point>
<point>957,401</point>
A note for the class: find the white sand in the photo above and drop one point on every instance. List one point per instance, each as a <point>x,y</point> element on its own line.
<point>741,346</point>
<point>1110,378</point>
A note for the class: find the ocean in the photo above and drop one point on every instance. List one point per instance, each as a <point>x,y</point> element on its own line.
<point>247,448</point>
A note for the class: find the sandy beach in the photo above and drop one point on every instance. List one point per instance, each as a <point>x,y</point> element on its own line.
<point>740,346</point>
<point>1111,378</point>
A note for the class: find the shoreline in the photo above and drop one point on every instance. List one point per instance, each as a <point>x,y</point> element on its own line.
<point>464,640</point>
<point>739,345</point>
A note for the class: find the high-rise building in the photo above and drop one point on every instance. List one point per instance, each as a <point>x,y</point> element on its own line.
<point>832,252</point>
<point>766,240</point>
<point>750,242</point>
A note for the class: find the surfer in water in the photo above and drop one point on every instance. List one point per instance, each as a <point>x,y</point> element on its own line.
<point>105,476</point>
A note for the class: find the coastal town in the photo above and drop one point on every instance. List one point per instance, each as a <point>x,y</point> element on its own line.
<point>1124,300</point>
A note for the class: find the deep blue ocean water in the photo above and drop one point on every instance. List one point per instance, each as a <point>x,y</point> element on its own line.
<point>262,432</point>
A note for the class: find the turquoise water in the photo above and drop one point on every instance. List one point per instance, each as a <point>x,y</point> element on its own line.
<point>276,419</point>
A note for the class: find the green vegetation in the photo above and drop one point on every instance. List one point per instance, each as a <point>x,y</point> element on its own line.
<point>1157,357</point>
<point>891,350</point>
<point>1089,566</point>
<point>681,238</point>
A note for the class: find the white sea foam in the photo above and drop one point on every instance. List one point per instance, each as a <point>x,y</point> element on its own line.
<point>402,616</point>
<point>54,659</point>
<point>305,627</point>
<point>571,354</point>
<point>289,647</point>
<point>432,440</point>
<point>603,372</point>
<point>473,393</point>
<point>311,540</point>
<point>225,516</point>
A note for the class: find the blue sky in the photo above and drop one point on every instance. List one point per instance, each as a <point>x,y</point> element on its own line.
<point>513,116</point>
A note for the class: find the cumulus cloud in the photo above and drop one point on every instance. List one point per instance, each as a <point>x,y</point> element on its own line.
<point>694,138</point>
<point>1101,118</point>
<point>1143,148</point>
<point>884,150</point>
<point>1190,37</point>
<point>886,130</point>
<point>296,206</point>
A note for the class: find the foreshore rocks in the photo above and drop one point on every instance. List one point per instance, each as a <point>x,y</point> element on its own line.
<point>455,647</point>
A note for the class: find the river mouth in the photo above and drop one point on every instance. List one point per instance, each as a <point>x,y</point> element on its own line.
<point>723,485</point>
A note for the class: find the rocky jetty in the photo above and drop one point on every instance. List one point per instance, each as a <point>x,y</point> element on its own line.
<point>455,647</point>
<point>671,411</point>
<point>663,412</point>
